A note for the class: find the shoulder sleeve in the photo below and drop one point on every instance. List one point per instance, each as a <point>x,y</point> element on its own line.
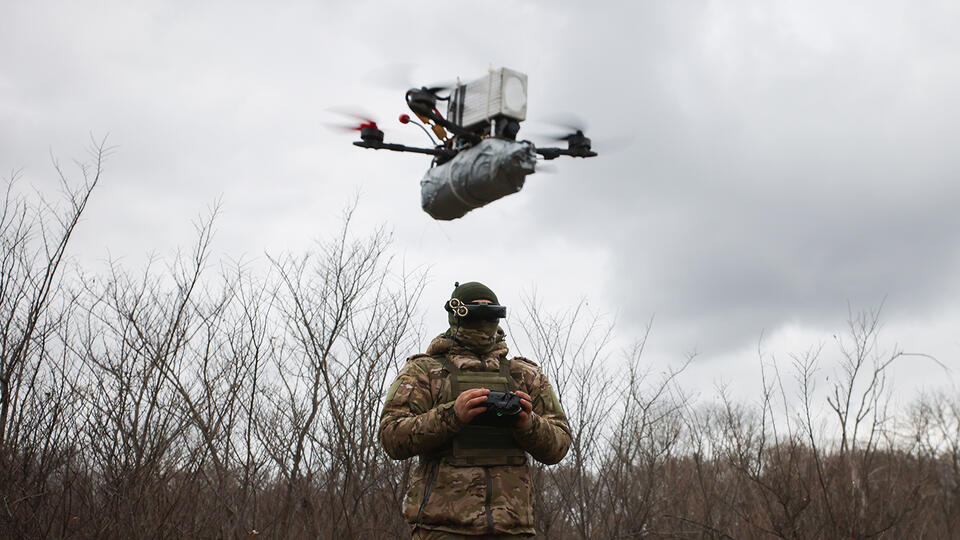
<point>548,437</point>
<point>411,424</point>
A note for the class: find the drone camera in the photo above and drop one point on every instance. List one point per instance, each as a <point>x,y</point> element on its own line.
<point>422,101</point>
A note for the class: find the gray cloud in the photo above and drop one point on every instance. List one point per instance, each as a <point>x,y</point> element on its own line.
<point>782,166</point>
<point>780,160</point>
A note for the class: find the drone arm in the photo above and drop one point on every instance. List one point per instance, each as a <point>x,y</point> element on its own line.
<point>401,148</point>
<point>549,153</point>
<point>553,153</point>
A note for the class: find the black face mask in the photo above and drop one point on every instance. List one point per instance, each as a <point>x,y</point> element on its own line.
<point>480,337</point>
<point>475,312</point>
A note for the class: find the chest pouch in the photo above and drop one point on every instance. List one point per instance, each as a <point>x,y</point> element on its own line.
<point>482,442</point>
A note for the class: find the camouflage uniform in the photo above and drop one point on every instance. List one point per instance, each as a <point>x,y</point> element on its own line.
<point>420,533</point>
<point>418,419</point>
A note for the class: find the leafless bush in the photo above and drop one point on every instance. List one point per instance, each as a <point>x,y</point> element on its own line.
<point>572,347</point>
<point>625,429</point>
<point>347,320</point>
<point>935,423</point>
<point>663,466</point>
<point>179,402</point>
<point>38,406</point>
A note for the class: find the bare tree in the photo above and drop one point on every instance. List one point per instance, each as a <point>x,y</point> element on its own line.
<point>347,317</point>
<point>35,378</point>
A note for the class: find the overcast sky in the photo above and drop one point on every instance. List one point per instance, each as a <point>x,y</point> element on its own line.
<point>770,162</point>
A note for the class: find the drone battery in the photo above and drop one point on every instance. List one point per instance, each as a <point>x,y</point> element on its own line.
<point>502,93</point>
<point>479,175</point>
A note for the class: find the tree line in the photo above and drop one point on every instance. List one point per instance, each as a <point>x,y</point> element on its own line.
<point>195,398</point>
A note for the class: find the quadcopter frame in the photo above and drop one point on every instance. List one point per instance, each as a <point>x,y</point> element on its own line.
<point>423,103</point>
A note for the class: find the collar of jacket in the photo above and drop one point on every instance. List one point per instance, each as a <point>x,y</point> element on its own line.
<point>467,359</point>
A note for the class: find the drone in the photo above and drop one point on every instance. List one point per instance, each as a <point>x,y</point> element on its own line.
<point>477,158</point>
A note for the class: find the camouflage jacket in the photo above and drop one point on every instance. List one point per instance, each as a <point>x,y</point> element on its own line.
<point>467,500</point>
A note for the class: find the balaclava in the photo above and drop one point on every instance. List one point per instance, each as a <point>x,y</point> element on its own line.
<point>478,336</point>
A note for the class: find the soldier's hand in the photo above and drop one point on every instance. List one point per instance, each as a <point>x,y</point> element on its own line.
<point>470,403</point>
<point>524,417</point>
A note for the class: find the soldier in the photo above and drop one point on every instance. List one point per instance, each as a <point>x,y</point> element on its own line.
<point>472,479</point>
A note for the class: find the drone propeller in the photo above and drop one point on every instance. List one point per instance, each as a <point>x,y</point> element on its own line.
<point>568,122</point>
<point>355,126</point>
<point>369,131</point>
<point>358,116</point>
<point>577,142</point>
<point>569,137</point>
<point>574,128</point>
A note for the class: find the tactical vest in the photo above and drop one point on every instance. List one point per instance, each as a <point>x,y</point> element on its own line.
<point>476,445</point>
